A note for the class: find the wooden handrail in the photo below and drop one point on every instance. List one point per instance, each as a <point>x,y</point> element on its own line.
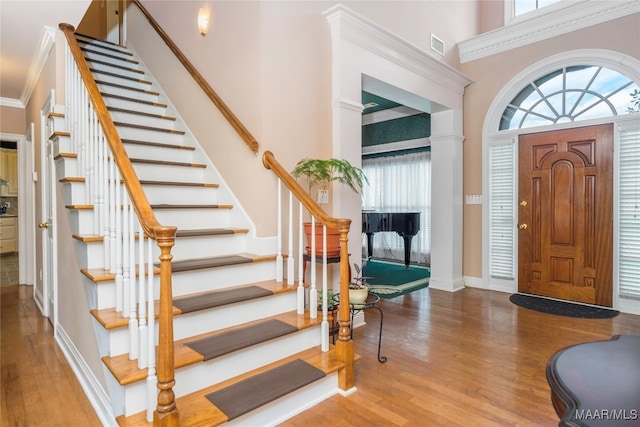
<point>344,345</point>
<point>166,413</point>
<point>251,142</point>
<point>269,162</point>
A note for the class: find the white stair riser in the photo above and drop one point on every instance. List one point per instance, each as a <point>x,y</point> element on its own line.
<point>134,94</point>
<point>105,292</point>
<point>195,377</point>
<point>58,123</point>
<point>175,194</point>
<point>73,193</point>
<point>132,105</point>
<point>116,70</point>
<point>138,151</point>
<point>150,172</point>
<point>185,283</point>
<point>66,167</point>
<point>81,221</point>
<point>90,255</point>
<point>141,120</point>
<point>61,144</point>
<point>194,247</point>
<point>204,321</point>
<point>190,219</point>
<point>137,134</point>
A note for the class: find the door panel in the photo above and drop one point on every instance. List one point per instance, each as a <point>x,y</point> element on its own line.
<point>565,242</point>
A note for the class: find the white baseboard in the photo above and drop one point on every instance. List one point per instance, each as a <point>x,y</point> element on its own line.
<point>89,383</point>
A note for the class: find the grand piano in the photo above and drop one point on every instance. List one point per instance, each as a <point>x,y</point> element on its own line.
<point>406,224</point>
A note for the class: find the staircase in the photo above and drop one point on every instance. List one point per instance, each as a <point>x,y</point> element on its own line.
<point>242,353</point>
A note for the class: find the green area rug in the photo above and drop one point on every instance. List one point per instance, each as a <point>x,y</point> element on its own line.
<point>390,279</point>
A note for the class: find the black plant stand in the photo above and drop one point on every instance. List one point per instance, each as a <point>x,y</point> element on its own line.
<point>371,302</point>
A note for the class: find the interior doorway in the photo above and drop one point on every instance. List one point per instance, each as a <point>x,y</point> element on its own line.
<point>565,214</point>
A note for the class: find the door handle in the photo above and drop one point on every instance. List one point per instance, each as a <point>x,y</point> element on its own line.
<point>522,226</point>
<point>44,225</point>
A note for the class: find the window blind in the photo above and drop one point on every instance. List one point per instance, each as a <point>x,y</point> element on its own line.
<point>501,211</point>
<point>629,213</point>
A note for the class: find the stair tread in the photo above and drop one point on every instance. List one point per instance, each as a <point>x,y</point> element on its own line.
<point>121,86</point>
<point>140,113</point>
<point>109,64</point>
<point>149,128</point>
<point>128,98</point>
<point>211,232</point>
<point>87,48</point>
<point>126,371</point>
<point>195,409</point>
<point>178,183</point>
<point>98,275</point>
<point>101,42</point>
<point>167,163</point>
<point>116,75</point>
<point>109,318</point>
<point>158,144</point>
<point>189,206</point>
<point>218,261</point>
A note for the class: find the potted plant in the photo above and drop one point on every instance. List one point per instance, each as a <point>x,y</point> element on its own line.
<point>320,173</point>
<point>358,289</point>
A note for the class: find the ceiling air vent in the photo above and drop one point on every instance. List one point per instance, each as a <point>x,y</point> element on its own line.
<point>437,44</point>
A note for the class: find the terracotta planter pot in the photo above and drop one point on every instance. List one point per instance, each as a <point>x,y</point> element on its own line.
<point>333,239</point>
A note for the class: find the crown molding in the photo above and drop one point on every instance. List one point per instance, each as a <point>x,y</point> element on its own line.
<point>389,114</point>
<point>561,20</point>
<point>47,40</point>
<point>11,102</point>
<point>396,146</point>
<point>347,24</point>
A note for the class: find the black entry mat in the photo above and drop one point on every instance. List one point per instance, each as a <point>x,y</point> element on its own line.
<point>218,298</point>
<point>562,308</point>
<point>236,339</point>
<point>247,395</point>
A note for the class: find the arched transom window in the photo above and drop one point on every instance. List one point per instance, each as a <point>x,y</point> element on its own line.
<point>571,94</point>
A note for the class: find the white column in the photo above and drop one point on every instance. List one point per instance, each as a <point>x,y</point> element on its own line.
<point>446,200</point>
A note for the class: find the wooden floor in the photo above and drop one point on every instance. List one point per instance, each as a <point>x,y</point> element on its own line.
<point>461,359</point>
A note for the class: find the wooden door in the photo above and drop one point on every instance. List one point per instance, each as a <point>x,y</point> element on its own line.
<point>565,214</point>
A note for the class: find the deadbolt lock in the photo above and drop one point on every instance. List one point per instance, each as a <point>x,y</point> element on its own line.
<point>522,226</point>
<point>523,203</point>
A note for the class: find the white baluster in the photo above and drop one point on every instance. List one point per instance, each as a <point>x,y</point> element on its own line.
<point>313,292</point>
<point>118,242</point>
<point>279,260</point>
<point>325,321</point>
<point>142,310</point>
<point>291,280</point>
<point>300,294</point>
<point>152,390</point>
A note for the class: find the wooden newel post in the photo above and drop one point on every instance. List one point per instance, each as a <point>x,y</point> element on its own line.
<point>166,413</point>
<point>344,346</point>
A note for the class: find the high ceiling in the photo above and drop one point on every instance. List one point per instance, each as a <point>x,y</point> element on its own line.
<point>23,35</point>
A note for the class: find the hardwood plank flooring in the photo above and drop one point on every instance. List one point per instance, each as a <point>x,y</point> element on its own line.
<point>455,359</point>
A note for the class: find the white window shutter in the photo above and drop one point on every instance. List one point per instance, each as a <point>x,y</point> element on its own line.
<point>501,211</point>
<point>629,213</point>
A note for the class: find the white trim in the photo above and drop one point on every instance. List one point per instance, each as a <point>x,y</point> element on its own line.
<point>397,146</point>
<point>47,40</point>
<point>11,102</point>
<point>614,60</point>
<point>551,21</point>
<point>348,105</point>
<point>370,36</point>
<point>389,114</point>
<point>90,385</point>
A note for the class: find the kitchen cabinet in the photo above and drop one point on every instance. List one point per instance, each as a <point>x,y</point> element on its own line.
<point>8,234</point>
<point>9,172</point>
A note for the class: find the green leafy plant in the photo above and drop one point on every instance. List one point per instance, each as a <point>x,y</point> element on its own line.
<point>359,281</point>
<point>331,302</point>
<point>320,172</point>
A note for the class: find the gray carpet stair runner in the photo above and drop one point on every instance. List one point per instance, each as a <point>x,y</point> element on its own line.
<point>247,395</point>
<point>218,298</point>
<point>237,339</point>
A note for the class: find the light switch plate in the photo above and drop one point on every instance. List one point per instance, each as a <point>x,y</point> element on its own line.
<point>474,199</point>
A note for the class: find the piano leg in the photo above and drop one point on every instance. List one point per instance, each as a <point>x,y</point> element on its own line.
<point>407,250</point>
<point>369,245</point>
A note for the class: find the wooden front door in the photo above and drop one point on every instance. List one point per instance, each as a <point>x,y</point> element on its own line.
<point>565,214</point>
